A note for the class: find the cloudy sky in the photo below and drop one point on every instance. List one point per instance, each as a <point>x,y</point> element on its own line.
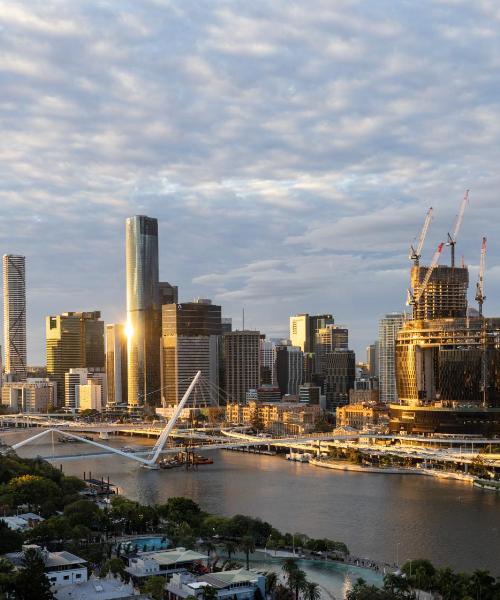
<point>289,150</point>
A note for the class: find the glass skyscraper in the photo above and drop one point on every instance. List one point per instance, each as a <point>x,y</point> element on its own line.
<point>143,311</point>
<point>14,307</point>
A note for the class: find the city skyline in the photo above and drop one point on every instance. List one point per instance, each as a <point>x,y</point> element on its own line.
<point>314,164</point>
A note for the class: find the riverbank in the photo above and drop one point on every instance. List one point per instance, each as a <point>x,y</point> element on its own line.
<point>351,467</point>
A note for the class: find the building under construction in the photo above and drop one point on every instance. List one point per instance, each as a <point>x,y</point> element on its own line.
<point>447,355</point>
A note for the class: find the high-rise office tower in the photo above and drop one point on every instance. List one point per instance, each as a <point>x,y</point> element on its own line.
<point>340,375</point>
<point>143,311</point>
<point>289,368</point>
<point>116,365</point>
<point>329,338</point>
<point>169,294</point>
<point>267,362</point>
<point>14,310</point>
<point>387,332</point>
<point>190,340</point>
<point>74,340</point>
<point>371,360</point>
<point>303,329</point>
<point>242,363</point>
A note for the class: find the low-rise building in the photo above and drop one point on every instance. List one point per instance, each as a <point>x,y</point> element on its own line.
<point>165,562</point>
<point>231,585</point>
<point>105,588</point>
<point>363,396</point>
<point>34,395</point>
<point>22,522</point>
<point>362,415</point>
<point>61,568</point>
<point>292,417</point>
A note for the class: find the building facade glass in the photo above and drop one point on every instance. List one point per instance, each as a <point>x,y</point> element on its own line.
<point>14,307</point>
<point>143,311</point>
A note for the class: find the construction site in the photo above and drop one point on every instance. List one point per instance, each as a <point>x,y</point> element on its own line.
<point>447,353</point>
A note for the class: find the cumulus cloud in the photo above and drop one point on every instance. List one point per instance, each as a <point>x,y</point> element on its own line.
<point>289,149</point>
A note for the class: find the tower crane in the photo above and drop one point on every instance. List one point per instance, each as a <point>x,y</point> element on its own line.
<point>480,297</point>
<point>414,298</point>
<point>416,253</point>
<point>452,238</point>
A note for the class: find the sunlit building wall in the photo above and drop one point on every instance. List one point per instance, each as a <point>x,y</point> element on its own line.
<point>387,331</point>
<point>143,311</point>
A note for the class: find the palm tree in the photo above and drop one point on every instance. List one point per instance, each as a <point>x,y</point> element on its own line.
<point>230,547</point>
<point>312,591</point>
<point>298,582</point>
<point>290,568</point>
<point>247,545</point>
<point>209,547</point>
<point>271,581</point>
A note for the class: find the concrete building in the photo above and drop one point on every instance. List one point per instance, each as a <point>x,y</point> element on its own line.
<point>387,333</point>
<point>164,562</point>
<point>281,417</point>
<point>303,329</point>
<point>30,396</point>
<point>191,334</point>
<point>362,415</point>
<point>73,379</point>
<point>327,339</point>
<point>61,568</point>
<point>169,294</point>
<point>289,362</point>
<point>238,584</point>
<point>267,362</point>
<point>14,315</point>
<point>340,374</point>
<point>101,588</point>
<point>90,396</point>
<point>372,359</point>
<point>116,365</point>
<point>364,396</point>
<point>242,363</point>
<point>143,312</point>
<point>310,394</point>
<point>75,340</point>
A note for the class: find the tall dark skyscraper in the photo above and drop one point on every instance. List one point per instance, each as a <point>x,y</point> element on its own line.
<point>143,311</point>
<point>14,306</point>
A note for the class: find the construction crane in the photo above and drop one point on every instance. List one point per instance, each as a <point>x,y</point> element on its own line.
<point>480,297</point>
<point>416,253</point>
<point>452,238</point>
<point>414,298</point>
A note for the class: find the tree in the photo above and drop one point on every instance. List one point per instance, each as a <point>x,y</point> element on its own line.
<point>247,546</point>
<point>31,582</point>
<point>7,578</point>
<point>82,512</point>
<point>271,582</point>
<point>297,582</point>
<point>155,587</point>
<point>420,573</point>
<point>10,540</point>
<point>33,490</point>
<point>209,593</point>
<point>116,566</point>
<point>312,591</point>
<point>230,547</point>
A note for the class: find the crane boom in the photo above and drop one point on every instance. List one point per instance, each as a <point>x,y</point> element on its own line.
<point>452,238</point>
<point>416,253</point>
<point>430,270</point>
<point>480,297</point>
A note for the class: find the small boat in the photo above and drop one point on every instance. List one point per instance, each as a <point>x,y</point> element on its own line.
<point>127,449</point>
<point>169,463</point>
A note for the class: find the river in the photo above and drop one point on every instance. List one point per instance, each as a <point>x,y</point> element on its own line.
<point>385,517</point>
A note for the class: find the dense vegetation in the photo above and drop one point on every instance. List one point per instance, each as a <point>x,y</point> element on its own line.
<point>422,575</point>
<point>77,524</point>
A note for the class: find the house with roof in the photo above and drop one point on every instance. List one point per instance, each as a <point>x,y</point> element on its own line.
<point>104,588</point>
<point>61,568</point>
<point>165,562</point>
<point>238,584</point>
<point>22,522</point>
